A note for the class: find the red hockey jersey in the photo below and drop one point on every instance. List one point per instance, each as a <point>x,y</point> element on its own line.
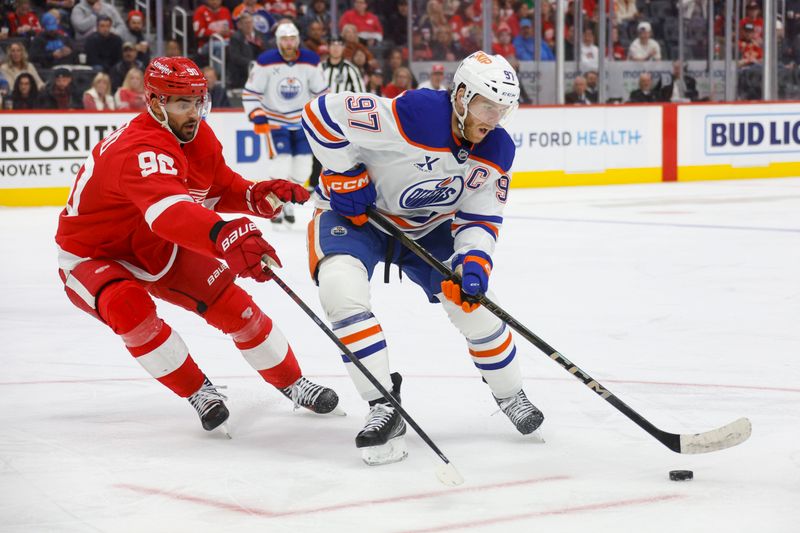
<point>140,194</point>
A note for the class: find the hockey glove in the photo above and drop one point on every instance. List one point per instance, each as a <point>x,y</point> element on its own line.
<point>474,269</point>
<point>240,243</point>
<point>350,192</point>
<point>266,198</point>
<point>258,117</point>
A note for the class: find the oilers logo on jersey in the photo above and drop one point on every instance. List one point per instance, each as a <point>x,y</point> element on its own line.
<point>432,193</point>
<point>289,88</point>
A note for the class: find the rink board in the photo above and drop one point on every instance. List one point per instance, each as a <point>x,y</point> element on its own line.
<point>40,152</point>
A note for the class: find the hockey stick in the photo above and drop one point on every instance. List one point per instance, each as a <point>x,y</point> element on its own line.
<point>446,472</point>
<point>717,439</point>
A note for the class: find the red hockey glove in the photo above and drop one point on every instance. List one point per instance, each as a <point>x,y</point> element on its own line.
<point>266,198</point>
<point>240,243</point>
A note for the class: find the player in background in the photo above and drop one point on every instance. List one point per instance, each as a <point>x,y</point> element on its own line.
<point>437,165</point>
<point>281,82</point>
<point>141,222</point>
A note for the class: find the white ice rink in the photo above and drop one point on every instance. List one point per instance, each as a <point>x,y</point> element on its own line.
<point>683,299</point>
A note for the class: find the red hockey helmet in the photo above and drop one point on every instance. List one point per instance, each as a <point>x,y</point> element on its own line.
<point>174,76</point>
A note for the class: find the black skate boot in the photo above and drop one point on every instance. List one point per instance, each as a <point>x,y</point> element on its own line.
<point>381,441</point>
<point>208,403</point>
<point>522,413</point>
<point>315,398</point>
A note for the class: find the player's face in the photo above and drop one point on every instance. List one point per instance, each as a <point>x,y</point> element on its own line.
<point>184,114</point>
<point>288,46</point>
<point>483,116</point>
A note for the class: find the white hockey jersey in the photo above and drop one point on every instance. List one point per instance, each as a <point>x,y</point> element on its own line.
<point>422,173</point>
<point>281,88</point>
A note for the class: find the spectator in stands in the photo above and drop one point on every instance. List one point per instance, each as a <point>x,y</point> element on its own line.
<point>351,42</point>
<point>590,54</point>
<point>130,59</point>
<point>397,24</point>
<point>750,51</point>
<point>315,37</point>
<point>99,96</point>
<point>643,48</point>
<point>317,12</point>
<point>172,48</point>
<point>433,17</point>
<point>210,19</point>
<point>134,33</point>
<point>17,63</point>
<point>502,43</point>
<point>23,22</point>
<point>103,48</point>
<point>52,46</point>
<point>578,94</point>
<point>436,81</point>
<point>359,59</point>
<point>421,44</point>
<point>618,51</point>
<point>263,21</point>
<point>25,94</point>
<point>84,18</point>
<point>61,93</point>
<point>367,24</point>
<point>625,13</point>
<point>246,45</point>
<point>443,48</point>
<point>394,60</point>
<point>525,43</point>
<point>400,83</point>
<point>216,91</point>
<point>682,87</point>
<point>247,6</point>
<point>592,92</point>
<point>281,8</point>
<point>753,17</point>
<point>130,96</point>
<point>5,89</point>
<point>645,92</point>
<point>375,82</point>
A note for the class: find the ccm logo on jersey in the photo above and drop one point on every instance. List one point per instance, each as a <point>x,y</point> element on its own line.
<point>432,193</point>
<point>237,234</point>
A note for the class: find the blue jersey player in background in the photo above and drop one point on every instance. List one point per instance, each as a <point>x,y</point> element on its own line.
<point>437,165</point>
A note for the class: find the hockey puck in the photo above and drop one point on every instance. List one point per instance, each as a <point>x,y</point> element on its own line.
<point>681,475</point>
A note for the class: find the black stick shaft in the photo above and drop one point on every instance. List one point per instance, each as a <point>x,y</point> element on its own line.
<point>670,440</point>
<point>353,359</point>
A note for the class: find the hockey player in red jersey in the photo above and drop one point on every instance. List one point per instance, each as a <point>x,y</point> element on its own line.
<point>141,222</point>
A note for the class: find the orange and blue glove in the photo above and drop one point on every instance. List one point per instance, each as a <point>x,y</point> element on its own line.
<point>474,268</point>
<point>350,193</point>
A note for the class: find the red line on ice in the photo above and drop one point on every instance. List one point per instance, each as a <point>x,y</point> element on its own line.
<point>553,512</point>
<point>329,508</point>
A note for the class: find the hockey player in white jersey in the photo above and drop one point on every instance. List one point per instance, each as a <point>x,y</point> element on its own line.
<point>437,165</point>
<point>281,82</point>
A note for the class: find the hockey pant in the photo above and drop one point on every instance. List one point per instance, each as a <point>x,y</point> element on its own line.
<point>292,155</point>
<point>110,293</point>
<point>489,340</point>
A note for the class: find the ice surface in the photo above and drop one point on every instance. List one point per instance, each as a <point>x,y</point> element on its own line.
<point>683,299</point>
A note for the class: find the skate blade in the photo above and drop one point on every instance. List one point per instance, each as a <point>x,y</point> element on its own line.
<point>338,411</point>
<point>535,437</point>
<point>225,429</point>
<point>392,452</point>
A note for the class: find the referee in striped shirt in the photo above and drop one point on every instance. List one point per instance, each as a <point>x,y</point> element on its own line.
<point>341,76</point>
<point>340,73</point>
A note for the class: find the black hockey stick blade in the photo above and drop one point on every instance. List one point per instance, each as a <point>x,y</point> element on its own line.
<point>710,441</point>
<point>445,472</point>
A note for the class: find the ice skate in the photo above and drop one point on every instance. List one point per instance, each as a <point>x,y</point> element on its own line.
<point>288,213</point>
<point>382,440</point>
<point>208,402</point>
<point>315,398</point>
<point>522,413</point>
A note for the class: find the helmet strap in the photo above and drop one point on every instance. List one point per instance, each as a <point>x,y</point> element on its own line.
<point>462,117</point>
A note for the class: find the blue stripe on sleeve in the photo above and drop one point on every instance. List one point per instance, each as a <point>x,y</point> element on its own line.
<point>479,218</point>
<point>327,118</point>
<point>323,143</point>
